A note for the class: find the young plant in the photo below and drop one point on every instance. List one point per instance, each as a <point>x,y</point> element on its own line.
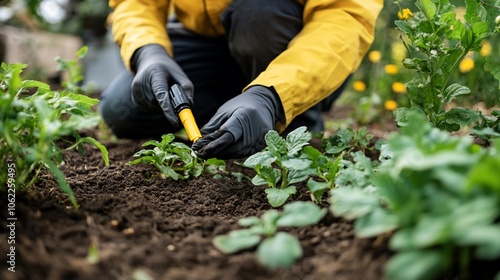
<point>346,140</point>
<point>437,194</point>
<point>176,160</point>
<point>437,41</point>
<point>325,169</point>
<point>281,161</point>
<point>276,249</point>
<point>34,125</point>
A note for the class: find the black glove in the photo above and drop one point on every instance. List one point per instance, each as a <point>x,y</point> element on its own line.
<point>238,128</point>
<point>155,73</point>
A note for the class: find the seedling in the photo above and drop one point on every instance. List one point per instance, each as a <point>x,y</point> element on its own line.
<point>176,160</point>
<point>281,161</point>
<point>275,249</point>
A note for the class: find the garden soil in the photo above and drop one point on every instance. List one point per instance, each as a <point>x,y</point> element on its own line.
<point>143,226</point>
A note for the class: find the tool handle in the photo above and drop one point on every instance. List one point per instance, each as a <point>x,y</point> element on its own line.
<point>183,111</point>
<point>187,119</point>
<point>178,99</point>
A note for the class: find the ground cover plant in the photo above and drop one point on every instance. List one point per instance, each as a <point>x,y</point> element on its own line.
<point>421,203</point>
<point>31,125</point>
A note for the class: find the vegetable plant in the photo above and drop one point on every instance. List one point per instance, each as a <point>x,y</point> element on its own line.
<point>437,194</point>
<point>176,160</point>
<point>280,164</point>
<point>437,41</point>
<point>34,123</point>
<point>275,249</point>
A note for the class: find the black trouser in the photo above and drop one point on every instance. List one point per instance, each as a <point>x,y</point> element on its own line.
<point>257,32</point>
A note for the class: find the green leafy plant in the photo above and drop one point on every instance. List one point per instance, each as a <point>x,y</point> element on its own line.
<point>437,41</point>
<point>281,162</point>
<point>176,160</point>
<point>33,126</point>
<point>346,140</point>
<point>275,249</point>
<point>437,195</point>
<point>324,170</point>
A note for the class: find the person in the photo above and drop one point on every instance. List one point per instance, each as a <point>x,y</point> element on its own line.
<point>246,66</point>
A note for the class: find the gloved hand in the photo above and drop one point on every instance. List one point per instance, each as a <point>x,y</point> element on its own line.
<point>238,128</point>
<point>155,71</point>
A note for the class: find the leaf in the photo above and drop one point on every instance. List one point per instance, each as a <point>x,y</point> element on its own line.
<point>236,241</point>
<point>296,163</point>
<point>429,9</point>
<point>279,251</point>
<point>297,139</point>
<point>317,189</point>
<point>264,158</point>
<point>275,144</point>
<point>300,213</point>
<point>99,145</point>
<point>454,90</point>
<point>375,223</point>
<point>249,221</point>
<point>493,67</point>
<point>352,203</point>
<point>415,265</point>
<point>429,231</point>
<point>266,175</point>
<point>457,117</point>
<point>278,197</point>
<point>61,180</point>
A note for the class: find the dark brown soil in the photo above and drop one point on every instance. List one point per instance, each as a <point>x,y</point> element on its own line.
<point>142,223</point>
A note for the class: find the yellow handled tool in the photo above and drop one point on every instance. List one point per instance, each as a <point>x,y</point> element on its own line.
<point>183,111</point>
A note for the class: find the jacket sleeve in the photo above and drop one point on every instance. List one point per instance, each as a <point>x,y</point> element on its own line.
<point>136,23</point>
<point>335,37</point>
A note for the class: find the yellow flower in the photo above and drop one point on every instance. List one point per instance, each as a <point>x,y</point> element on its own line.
<point>466,65</point>
<point>485,49</point>
<point>398,87</point>
<point>359,86</point>
<point>405,14</point>
<point>391,69</point>
<point>391,105</point>
<point>374,56</point>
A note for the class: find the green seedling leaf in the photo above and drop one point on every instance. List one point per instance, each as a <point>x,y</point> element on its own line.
<point>300,213</point>
<point>428,232</point>
<point>278,197</point>
<point>317,189</point>
<point>275,144</point>
<point>99,145</point>
<point>352,203</point>
<point>93,255</point>
<point>236,241</point>
<point>264,158</point>
<point>280,251</point>
<point>376,222</point>
<point>415,265</point>
<point>297,139</point>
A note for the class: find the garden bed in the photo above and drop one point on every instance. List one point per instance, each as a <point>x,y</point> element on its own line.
<point>141,223</point>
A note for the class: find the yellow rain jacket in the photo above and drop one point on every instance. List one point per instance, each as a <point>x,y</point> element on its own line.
<point>335,37</point>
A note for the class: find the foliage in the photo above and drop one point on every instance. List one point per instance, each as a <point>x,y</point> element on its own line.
<point>176,160</point>
<point>437,42</point>
<point>438,195</point>
<point>31,126</point>
<point>275,248</point>
<point>282,160</point>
